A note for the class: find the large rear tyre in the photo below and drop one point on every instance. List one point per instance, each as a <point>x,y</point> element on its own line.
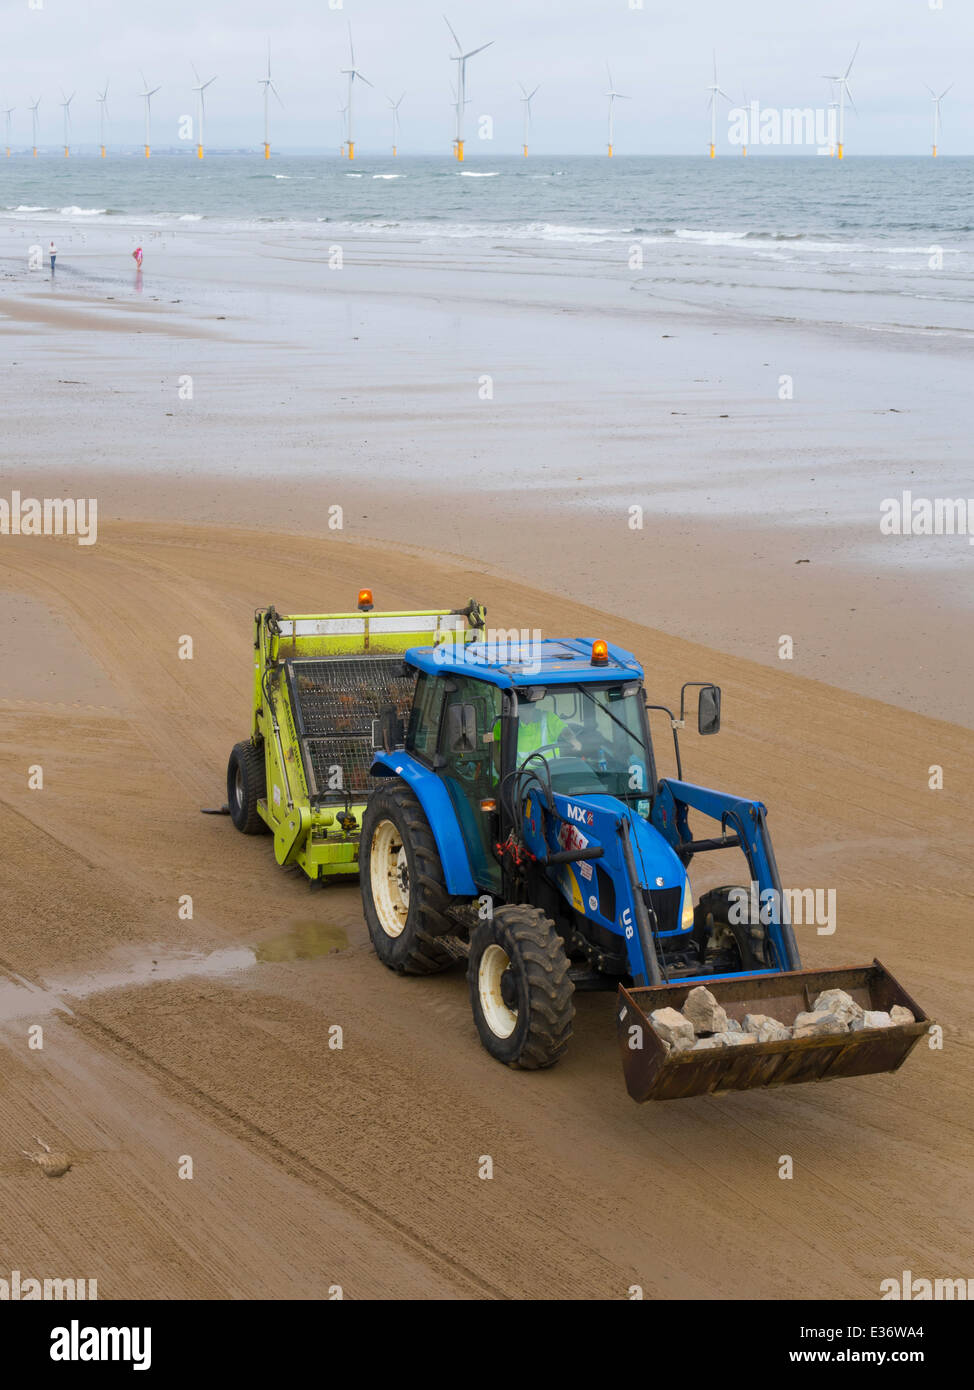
<point>403,889</point>
<point>246,785</point>
<point>520,990</point>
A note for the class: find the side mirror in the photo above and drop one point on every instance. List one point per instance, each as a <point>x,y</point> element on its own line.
<point>708,710</point>
<point>461,729</point>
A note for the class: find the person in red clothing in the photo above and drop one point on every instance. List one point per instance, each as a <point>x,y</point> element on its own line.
<point>137,256</point>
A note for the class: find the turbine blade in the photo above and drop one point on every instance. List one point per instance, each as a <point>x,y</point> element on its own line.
<point>474,51</point>
<point>848,93</point>
<point>455,39</point>
<point>851,61</point>
<point>946,90</point>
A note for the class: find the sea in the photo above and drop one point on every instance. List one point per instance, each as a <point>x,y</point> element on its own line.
<point>754,229</point>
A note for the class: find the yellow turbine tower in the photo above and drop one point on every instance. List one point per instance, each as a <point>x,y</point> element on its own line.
<point>102,100</point>
<point>937,116</point>
<point>716,92</point>
<point>200,90</point>
<point>613,96</point>
<point>268,85</point>
<point>66,106</point>
<point>841,81</point>
<point>7,113</point>
<point>461,59</point>
<point>351,73</point>
<point>147,94</point>
<point>527,97</point>
<point>33,126</point>
<point>395,123</point>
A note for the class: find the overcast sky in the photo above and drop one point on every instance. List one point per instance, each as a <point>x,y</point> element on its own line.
<point>660,54</point>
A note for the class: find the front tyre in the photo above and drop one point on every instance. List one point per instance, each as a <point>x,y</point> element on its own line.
<point>403,889</point>
<point>720,932</point>
<point>520,990</point>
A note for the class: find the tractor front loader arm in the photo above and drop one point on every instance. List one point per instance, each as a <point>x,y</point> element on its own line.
<point>747,820</point>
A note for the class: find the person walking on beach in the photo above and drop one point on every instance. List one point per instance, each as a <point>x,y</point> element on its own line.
<point>53,254</point>
<point>137,257</point>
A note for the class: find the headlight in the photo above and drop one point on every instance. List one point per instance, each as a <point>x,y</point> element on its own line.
<point>687,921</point>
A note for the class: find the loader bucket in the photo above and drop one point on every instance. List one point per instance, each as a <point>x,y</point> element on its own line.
<point>653,1073</point>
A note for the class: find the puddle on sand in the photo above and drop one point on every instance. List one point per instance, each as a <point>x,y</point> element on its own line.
<point>304,941</point>
<point>21,998</point>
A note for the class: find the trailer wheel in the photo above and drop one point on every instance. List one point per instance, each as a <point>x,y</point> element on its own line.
<point>713,927</point>
<point>403,889</point>
<point>246,785</point>
<point>520,990</point>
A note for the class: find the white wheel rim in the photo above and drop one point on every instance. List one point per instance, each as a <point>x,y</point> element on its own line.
<point>238,787</point>
<point>389,877</point>
<point>501,1020</point>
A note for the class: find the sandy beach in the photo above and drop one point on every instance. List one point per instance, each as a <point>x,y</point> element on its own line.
<point>217,412</point>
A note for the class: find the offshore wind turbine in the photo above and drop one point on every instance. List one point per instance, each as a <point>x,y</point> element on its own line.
<point>7,113</point>
<point>268,85</point>
<point>716,91</point>
<point>461,59</point>
<point>351,73</point>
<point>937,116</point>
<point>613,96</point>
<point>102,100</point>
<point>66,104</point>
<point>33,125</point>
<point>147,95</point>
<point>841,81</point>
<point>200,90</point>
<point>395,123</point>
<point>527,97</point>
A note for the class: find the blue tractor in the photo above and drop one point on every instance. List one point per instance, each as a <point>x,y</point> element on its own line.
<point>518,821</point>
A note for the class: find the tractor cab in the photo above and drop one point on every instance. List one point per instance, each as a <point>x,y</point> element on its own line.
<point>568,714</point>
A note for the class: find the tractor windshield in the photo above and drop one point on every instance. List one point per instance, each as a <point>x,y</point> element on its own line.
<point>591,737</point>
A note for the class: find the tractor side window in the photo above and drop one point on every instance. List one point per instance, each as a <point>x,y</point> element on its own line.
<point>467,767</point>
<point>424,719</point>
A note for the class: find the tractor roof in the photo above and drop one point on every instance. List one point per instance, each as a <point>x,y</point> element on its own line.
<point>564,661</point>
